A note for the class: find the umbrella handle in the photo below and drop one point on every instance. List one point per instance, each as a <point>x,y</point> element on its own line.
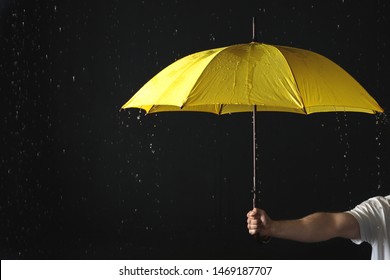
<point>262,239</point>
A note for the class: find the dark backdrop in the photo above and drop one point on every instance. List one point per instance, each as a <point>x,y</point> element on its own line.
<point>80,179</point>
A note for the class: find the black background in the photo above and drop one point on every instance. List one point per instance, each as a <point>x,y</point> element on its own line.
<point>80,179</point>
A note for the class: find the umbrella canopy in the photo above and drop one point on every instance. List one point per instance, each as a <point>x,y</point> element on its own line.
<point>235,78</point>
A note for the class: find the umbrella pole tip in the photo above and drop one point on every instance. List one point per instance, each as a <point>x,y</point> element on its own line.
<point>254,37</point>
<point>253,29</point>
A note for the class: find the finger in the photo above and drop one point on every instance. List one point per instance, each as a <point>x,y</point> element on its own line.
<point>252,231</point>
<point>254,226</point>
<point>251,221</point>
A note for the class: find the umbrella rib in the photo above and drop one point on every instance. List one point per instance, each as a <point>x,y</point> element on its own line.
<point>220,109</point>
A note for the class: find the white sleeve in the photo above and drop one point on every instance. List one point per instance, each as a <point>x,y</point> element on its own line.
<point>369,216</point>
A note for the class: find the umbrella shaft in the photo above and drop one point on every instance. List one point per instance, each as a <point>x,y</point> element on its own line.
<point>254,155</point>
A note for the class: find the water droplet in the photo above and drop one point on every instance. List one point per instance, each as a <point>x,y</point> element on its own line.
<point>381,119</point>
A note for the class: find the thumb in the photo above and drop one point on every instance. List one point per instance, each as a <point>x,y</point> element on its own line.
<point>254,212</point>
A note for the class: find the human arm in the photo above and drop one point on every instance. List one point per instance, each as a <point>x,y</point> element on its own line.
<point>316,227</point>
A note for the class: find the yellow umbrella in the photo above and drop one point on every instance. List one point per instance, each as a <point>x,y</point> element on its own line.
<point>235,78</point>
<point>253,77</point>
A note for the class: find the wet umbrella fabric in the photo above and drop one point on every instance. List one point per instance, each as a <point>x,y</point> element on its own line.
<point>235,78</point>
<point>253,77</point>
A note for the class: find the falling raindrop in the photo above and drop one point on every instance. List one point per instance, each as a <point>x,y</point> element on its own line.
<point>151,148</point>
<point>380,120</point>
<point>342,129</point>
